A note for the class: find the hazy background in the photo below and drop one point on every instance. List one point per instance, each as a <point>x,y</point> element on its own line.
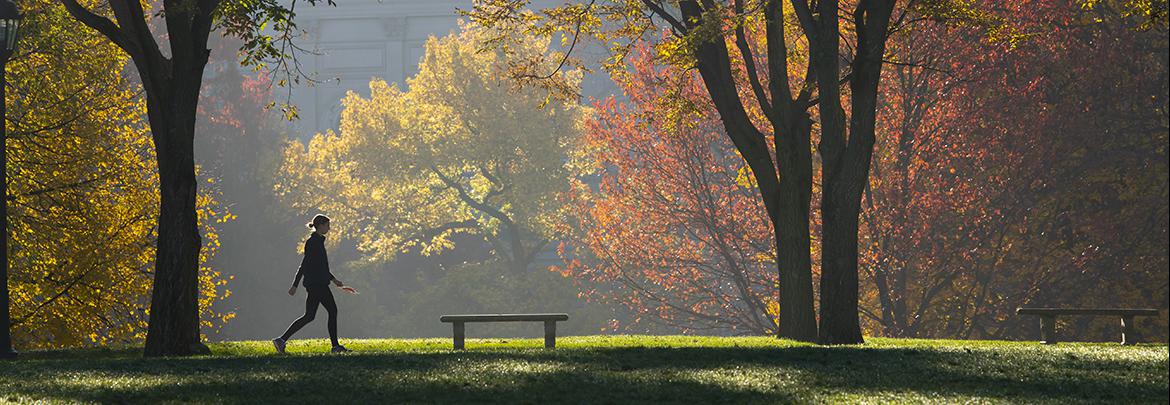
<point>361,40</point>
<point>346,47</point>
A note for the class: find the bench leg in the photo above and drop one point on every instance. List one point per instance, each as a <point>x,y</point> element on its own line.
<point>550,334</point>
<point>1128,331</point>
<point>1048,329</point>
<point>457,329</point>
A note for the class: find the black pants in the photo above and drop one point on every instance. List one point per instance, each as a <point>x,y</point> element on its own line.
<point>317,295</point>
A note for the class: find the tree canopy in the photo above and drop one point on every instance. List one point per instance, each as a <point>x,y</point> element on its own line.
<point>461,152</point>
<point>666,220</point>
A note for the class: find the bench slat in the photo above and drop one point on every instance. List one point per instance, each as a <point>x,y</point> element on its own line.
<point>1088,311</point>
<point>503,317</point>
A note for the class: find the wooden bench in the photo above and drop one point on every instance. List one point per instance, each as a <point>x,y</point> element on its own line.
<point>550,324</point>
<point>1048,320</point>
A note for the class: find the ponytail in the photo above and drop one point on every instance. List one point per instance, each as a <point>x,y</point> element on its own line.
<point>317,220</point>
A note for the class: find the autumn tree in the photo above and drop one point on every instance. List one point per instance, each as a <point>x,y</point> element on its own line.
<point>633,147</point>
<point>172,73</point>
<point>83,209</point>
<point>927,201</point>
<point>666,220</point>
<point>976,205</point>
<point>713,38</point>
<point>1090,203</point>
<point>459,153</point>
<point>998,188</point>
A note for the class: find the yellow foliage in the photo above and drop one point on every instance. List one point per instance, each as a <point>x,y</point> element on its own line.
<point>83,199</point>
<point>460,152</point>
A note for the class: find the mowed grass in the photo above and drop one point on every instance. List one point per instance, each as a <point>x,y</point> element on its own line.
<point>601,369</point>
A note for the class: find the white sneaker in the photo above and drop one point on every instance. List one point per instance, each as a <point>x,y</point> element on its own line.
<point>279,344</point>
<point>339,349</point>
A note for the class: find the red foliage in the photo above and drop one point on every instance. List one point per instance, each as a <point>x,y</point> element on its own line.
<point>665,221</point>
<point>995,186</point>
<point>1013,173</point>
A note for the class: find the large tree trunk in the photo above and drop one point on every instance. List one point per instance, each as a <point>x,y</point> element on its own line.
<point>846,162</point>
<point>790,221</point>
<point>824,52</point>
<point>172,101</point>
<point>174,304</point>
<point>839,314</point>
<point>785,196</point>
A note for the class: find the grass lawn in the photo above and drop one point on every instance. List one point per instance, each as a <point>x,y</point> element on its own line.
<point>601,369</point>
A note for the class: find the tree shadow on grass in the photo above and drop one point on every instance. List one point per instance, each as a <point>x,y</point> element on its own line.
<point>1013,375</point>
<point>623,374</point>
<point>384,377</point>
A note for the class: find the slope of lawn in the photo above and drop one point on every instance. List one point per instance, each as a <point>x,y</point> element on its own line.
<point>601,369</point>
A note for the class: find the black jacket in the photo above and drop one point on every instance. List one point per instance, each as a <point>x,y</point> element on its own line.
<point>315,265</point>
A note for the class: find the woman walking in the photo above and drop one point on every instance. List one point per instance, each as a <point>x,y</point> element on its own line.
<point>315,270</point>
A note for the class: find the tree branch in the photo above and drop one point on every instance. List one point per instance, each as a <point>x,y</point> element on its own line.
<point>431,233</point>
<point>661,12</point>
<point>466,198</point>
<point>102,25</point>
<point>749,62</point>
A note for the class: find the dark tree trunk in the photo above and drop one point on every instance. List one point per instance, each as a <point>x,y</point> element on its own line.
<point>786,194</point>
<point>824,44</point>
<point>174,304</point>
<point>839,314</point>
<point>790,222</point>
<point>846,161</point>
<point>786,197</point>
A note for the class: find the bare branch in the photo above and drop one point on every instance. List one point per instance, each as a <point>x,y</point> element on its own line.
<point>569,52</point>
<point>661,12</point>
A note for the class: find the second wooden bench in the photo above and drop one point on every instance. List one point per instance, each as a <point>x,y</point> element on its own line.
<point>1048,320</point>
<point>550,324</point>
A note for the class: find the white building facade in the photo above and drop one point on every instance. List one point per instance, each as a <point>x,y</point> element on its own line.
<point>360,40</point>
